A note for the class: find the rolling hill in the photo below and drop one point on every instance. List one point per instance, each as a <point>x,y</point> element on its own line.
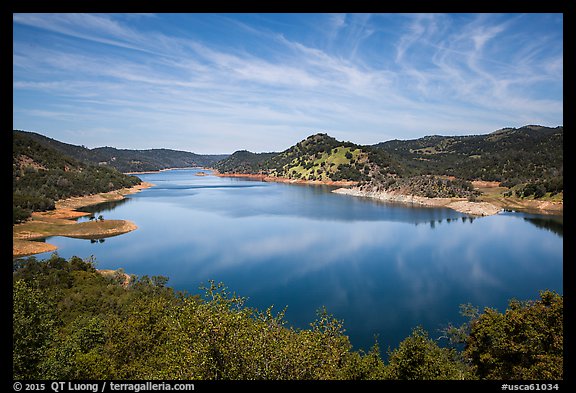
<point>318,157</point>
<point>528,160</point>
<point>126,160</point>
<point>41,175</point>
<point>509,155</point>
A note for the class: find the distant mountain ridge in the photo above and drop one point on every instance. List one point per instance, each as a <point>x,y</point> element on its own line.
<point>127,160</point>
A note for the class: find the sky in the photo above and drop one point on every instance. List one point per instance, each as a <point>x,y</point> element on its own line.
<point>217,83</point>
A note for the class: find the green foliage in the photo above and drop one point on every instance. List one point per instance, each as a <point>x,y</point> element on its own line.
<point>244,162</point>
<point>34,325</point>
<point>20,214</point>
<point>126,160</point>
<point>41,175</point>
<point>538,189</point>
<point>420,357</point>
<point>530,154</point>
<point>71,322</point>
<point>526,342</point>
<point>423,185</point>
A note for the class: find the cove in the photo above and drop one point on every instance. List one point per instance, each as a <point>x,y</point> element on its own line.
<point>382,268</point>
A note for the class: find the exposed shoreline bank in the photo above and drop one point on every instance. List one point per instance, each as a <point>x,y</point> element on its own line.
<point>489,203</point>
<point>61,222</point>
<point>459,204</point>
<point>492,205</point>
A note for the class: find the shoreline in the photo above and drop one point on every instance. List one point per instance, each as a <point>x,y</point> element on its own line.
<point>479,208</point>
<point>163,170</point>
<point>278,179</point>
<point>459,204</point>
<point>28,238</point>
<point>487,204</point>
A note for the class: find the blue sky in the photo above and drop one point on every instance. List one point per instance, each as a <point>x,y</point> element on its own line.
<point>216,83</point>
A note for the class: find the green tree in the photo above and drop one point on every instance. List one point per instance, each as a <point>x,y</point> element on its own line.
<point>420,357</point>
<point>526,342</point>
<point>71,322</point>
<point>33,331</point>
<point>79,354</point>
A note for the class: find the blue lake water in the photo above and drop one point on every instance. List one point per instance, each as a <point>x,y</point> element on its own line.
<point>382,268</point>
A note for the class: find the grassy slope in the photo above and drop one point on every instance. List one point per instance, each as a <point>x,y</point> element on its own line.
<point>552,204</point>
<point>327,163</point>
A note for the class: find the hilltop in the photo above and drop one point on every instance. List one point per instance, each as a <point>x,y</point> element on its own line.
<point>319,157</point>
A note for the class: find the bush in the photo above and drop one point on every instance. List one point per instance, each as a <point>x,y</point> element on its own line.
<point>419,357</point>
<point>19,214</point>
<point>526,342</point>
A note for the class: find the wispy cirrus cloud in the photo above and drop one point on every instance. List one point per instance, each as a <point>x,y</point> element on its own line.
<point>365,78</point>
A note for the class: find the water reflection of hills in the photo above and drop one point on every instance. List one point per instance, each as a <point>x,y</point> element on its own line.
<point>449,220</point>
<point>553,224</point>
<point>103,206</point>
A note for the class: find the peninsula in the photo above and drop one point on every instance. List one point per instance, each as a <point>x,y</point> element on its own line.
<point>50,186</point>
<point>61,221</point>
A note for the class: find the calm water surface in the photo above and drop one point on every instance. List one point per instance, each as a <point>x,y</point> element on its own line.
<point>382,268</point>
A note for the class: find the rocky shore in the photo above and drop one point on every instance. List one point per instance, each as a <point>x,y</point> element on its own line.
<point>458,204</point>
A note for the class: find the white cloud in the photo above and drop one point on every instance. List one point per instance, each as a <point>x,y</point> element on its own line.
<point>440,76</point>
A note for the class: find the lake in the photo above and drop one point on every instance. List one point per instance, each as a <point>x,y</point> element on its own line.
<point>383,269</point>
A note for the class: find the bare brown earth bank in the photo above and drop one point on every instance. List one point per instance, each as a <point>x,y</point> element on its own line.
<point>125,278</point>
<point>61,222</point>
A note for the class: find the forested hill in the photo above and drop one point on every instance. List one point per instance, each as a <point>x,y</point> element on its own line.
<point>245,162</point>
<point>126,160</point>
<point>528,159</point>
<point>41,175</point>
<point>509,155</point>
<point>318,157</point>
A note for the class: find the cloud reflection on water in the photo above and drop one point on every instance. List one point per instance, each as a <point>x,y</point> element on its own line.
<point>383,269</point>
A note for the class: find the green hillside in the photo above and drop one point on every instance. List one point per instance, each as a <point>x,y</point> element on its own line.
<point>318,157</point>
<point>244,162</point>
<point>126,160</point>
<point>41,175</point>
<point>514,156</point>
<point>528,160</point>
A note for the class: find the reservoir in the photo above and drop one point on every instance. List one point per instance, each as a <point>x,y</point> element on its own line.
<point>383,269</point>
